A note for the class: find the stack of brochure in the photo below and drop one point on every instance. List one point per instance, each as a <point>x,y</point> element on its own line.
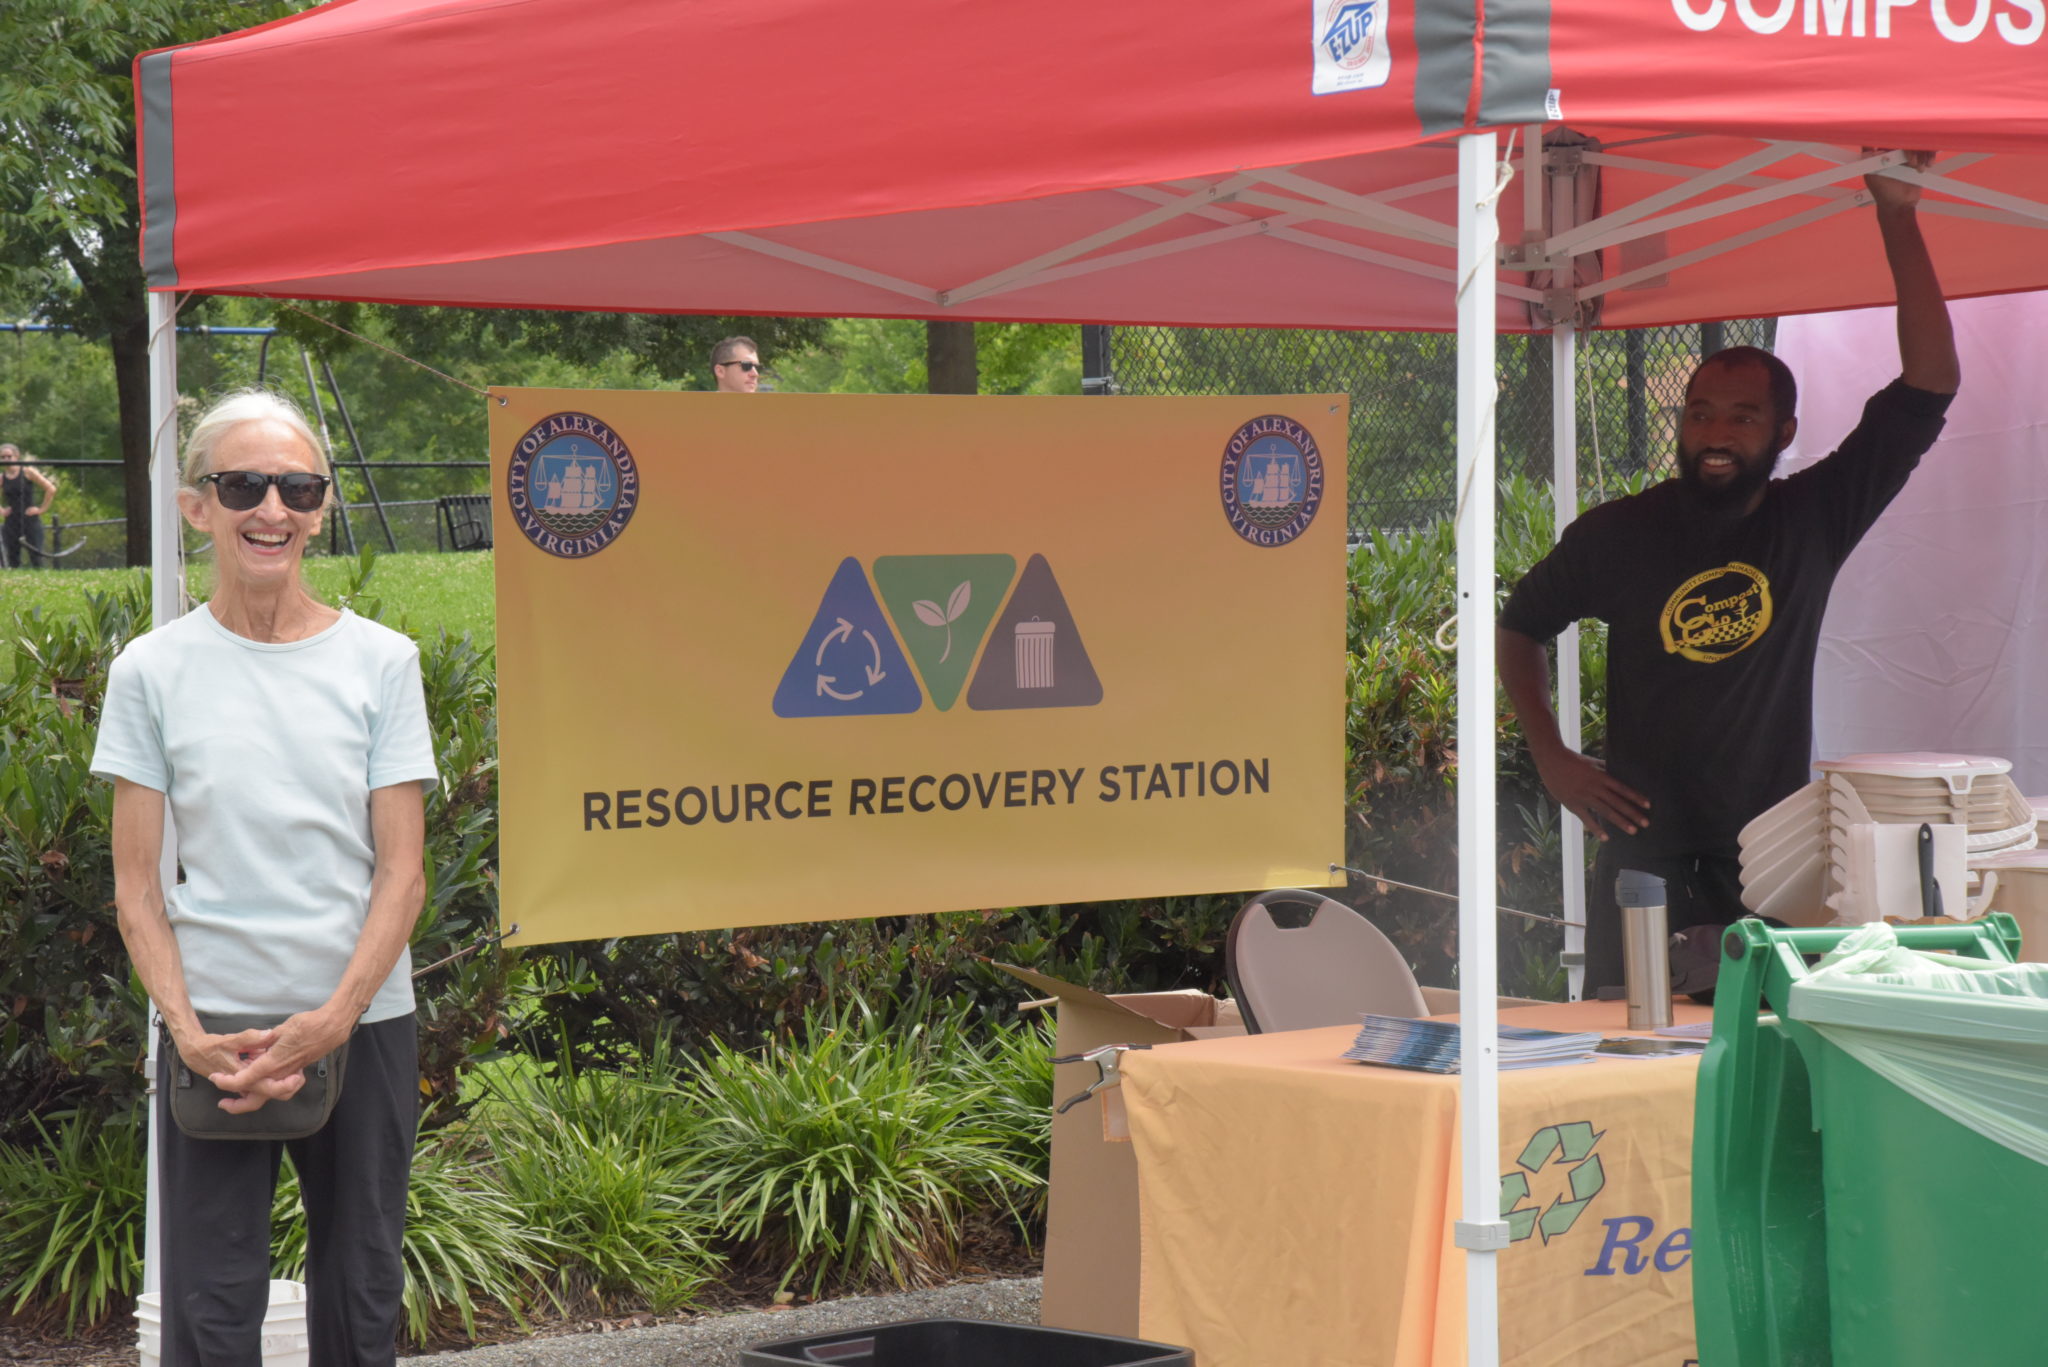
<point>1432,1046</point>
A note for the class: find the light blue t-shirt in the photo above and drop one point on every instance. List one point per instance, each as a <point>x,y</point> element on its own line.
<point>268,753</point>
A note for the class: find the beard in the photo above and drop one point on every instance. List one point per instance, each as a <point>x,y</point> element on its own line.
<point>1739,488</point>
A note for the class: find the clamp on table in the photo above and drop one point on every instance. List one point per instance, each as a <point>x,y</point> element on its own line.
<point>1108,1061</point>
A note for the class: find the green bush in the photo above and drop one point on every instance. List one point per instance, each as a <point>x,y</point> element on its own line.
<point>71,1222</point>
<point>602,1165</point>
<point>466,1242</point>
<point>851,1152</point>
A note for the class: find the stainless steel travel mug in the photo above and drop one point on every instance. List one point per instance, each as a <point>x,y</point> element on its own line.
<point>1645,948</point>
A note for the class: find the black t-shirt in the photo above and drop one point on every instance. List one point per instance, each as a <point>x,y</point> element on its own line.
<point>1713,621</point>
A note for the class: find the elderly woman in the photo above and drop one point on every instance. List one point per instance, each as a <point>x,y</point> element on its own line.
<point>290,741</point>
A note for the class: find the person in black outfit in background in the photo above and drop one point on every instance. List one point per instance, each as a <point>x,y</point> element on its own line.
<point>1713,585</point>
<point>21,510</point>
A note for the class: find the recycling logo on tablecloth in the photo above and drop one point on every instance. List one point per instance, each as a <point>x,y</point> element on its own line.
<point>1553,1152</point>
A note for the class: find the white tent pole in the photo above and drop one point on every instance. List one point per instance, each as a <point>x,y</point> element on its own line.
<point>166,604</point>
<point>1481,1231</point>
<point>1564,492</point>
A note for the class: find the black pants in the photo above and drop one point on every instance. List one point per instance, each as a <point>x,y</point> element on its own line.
<point>21,537</point>
<point>1699,889</point>
<point>215,1201</point>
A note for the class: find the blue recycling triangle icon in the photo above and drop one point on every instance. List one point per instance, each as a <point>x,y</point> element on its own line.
<point>848,664</point>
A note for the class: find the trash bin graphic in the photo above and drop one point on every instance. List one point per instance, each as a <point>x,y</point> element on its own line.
<point>1034,653</point>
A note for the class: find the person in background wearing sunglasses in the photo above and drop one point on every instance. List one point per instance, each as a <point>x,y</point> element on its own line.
<point>21,531</point>
<point>736,365</point>
<point>290,742</point>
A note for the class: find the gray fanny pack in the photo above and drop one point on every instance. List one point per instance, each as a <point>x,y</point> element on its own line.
<point>195,1101</point>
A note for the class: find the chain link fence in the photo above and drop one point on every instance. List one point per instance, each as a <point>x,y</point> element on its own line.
<point>444,507</point>
<point>1403,388</point>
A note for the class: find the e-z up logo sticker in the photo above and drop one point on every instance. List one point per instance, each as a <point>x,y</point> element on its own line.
<point>1351,51</point>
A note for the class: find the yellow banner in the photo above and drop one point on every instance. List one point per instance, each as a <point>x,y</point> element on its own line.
<point>788,657</point>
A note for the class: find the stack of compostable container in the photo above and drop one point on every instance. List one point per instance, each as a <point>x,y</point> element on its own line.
<point>1870,1149</point>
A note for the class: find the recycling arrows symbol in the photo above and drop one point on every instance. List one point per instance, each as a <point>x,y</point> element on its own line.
<point>1557,1146</point>
<point>844,632</point>
<point>848,664</point>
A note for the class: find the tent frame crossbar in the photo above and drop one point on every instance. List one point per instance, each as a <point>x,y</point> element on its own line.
<point>1977,202</point>
<point>1012,276</point>
<point>797,256</point>
<point>1720,246</point>
<point>1306,200</point>
<point>1282,230</point>
<point>1355,210</point>
<point>1601,233</point>
<point>1647,215</point>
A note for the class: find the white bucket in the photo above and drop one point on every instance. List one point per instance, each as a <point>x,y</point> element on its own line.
<point>285,1343</point>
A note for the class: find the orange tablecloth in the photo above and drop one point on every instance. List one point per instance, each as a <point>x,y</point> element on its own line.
<point>1296,1208</point>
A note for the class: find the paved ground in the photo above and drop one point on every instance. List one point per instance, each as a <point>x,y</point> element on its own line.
<point>717,1341</point>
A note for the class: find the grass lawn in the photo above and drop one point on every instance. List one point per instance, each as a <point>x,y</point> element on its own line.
<point>419,591</point>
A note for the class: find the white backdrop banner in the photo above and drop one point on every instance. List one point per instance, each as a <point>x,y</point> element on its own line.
<point>1936,637</point>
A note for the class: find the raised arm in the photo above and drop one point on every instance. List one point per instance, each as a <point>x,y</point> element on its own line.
<point>1927,341</point>
<point>1580,783</point>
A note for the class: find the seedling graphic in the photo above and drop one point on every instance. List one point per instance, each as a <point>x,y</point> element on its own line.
<point>932,615</point>
<point>942,605</point>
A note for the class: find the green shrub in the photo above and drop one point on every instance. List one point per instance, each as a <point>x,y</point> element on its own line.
<point>602,1165</point>
<point>849,1153</point>
<point>1011,1066</point>
<point>466,1242</point>
<point>71,1222</point>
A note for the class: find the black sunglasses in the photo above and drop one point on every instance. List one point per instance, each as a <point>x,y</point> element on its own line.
<point>241,490</point>
<point>749,366</point>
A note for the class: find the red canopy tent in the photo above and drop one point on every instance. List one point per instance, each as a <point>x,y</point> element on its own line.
<point>1159,164</point>
<point>1144,163</point>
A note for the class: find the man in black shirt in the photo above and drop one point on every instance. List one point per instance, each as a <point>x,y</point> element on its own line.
<point>1713,585</point>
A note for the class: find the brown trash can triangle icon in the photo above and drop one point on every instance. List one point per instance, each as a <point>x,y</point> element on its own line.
<point>1034,656</point>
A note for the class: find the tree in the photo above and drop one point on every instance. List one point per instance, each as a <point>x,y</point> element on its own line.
<point>891,356</point>
<point>68,206</point>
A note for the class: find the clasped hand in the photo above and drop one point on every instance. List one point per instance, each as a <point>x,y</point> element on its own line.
<point>258,1066</point>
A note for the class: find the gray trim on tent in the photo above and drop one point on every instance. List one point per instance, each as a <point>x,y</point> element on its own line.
<point>1514,77</point>
<point>1443,63</point>
<point>159,190</point>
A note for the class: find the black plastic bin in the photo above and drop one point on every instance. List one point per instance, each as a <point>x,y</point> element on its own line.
<point>965,1343</point>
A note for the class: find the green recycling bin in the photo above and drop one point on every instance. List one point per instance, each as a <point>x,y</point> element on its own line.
<point>1870,1162</point>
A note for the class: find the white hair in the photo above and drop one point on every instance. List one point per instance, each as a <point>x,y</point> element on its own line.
<point>230,412</point>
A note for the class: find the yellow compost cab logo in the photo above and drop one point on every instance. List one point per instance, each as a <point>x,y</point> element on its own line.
<point>1717,613</point>
<point>572,485</point>
<point>938,613</point>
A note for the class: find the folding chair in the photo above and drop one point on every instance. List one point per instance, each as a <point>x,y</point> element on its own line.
<point>1329,970</point>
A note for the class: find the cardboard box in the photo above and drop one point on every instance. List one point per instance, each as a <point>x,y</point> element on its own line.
<point>1091,1234</point>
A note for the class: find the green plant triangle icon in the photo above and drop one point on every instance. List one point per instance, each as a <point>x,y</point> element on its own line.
<point>942,605</point>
